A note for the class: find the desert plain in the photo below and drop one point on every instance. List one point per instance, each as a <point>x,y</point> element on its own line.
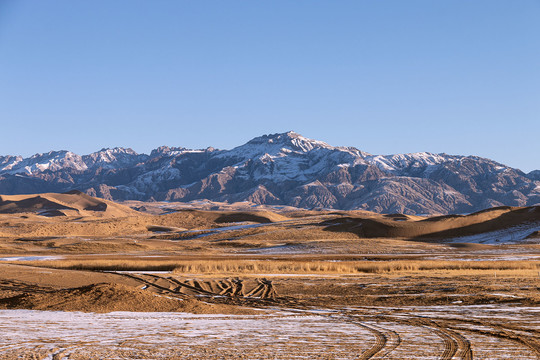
<point>86,278</point>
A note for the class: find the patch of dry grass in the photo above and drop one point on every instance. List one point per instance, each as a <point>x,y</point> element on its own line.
<point>349,267</point>
<point>104,264</point>
<point>245,266</point>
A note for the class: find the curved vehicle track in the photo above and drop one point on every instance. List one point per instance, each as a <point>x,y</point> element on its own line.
<point>454,343</point>
<point>393,341</point>
<point>501,331</point>
<point>451,331</point>
<point>461,347</point>
<point>380,339</point>
<point>175,284</point>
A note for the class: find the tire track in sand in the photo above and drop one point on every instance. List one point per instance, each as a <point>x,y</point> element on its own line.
<point>391,338</point>
<point>455,344</point>
<point>386,340</point>
<point>393,341</point>
<point>527,337</point>
<point>163,288</point>
<point>381,339</point>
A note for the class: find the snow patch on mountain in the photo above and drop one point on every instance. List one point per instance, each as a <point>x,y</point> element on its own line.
<point>150,181</point>
<point>166,151</point>
<point>276,145</point>
<point>113,158</point>
<point>52,161</point>
<point>399,162</point>
<point>8,162</point>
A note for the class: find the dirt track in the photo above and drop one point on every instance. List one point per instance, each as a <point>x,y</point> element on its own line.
<point>425,316</point>
<point>330,334</point>
<point>430,332</point>
<point>458,335</point>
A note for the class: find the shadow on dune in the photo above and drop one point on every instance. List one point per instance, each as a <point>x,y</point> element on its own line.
<point>262,217</point>
<point>434,228</point>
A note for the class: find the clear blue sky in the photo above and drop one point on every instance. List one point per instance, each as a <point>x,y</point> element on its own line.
<point>386,76</point>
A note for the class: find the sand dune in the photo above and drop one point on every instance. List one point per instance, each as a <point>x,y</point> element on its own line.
<point>258,217</point>
<point>208,219</point>
<point>439,227</point>
<point>72,203</point>
<point>77,214</point>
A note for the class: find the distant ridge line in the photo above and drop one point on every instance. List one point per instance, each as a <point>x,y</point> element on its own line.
<point>280,169</point>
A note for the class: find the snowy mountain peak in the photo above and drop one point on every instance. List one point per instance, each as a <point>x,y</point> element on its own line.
<point>168,151</point>
<point>119,150</point>
<point>50,154</point>
<point>53,160</point>
<point>276,145</point>
<point>398,162</point>
<point>118,156</point>
<point>9,161</point>
<point>109,155</point>
<point>289,140</point>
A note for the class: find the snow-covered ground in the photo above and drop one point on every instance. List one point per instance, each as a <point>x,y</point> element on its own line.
<point>30,258</point>
<point>284,334</point>
<point>510,235</point>
<point>167,333</point>
<point>207,232</point>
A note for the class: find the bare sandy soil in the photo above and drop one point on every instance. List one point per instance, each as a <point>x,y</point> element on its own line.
<point>396,333</point>
<point>338,317</point>
<point>89,281</point>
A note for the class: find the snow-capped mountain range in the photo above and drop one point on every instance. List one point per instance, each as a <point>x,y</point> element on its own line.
<point>280,169</point>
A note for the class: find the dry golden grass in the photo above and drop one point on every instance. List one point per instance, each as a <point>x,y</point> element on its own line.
<point>246,267</point>
<point>348,267</point>
<point>105,264</point>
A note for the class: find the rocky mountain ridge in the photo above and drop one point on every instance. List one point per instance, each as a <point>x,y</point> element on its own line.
<point>280,169</point>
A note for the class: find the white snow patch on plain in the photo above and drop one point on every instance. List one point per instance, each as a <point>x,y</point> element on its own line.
<point>510,235</point>
<point>240,226</point>
<point>30,258</point>
<point>118,330</point>
<point>208,232</point>
<point>278,249</point>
